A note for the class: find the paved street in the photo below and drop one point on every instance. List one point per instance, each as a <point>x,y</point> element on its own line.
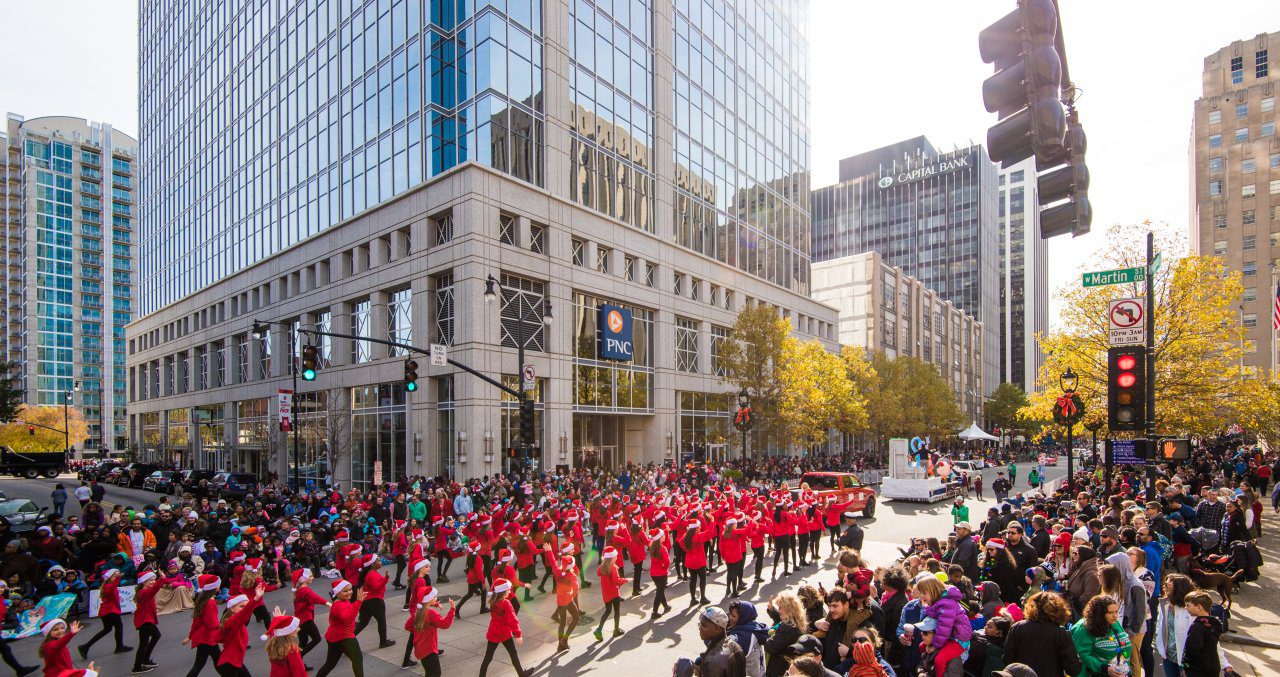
<point>647,642</point>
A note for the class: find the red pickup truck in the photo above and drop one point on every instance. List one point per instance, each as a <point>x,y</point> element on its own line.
<point>845,486</point>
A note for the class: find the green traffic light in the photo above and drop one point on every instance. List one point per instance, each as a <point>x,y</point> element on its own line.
<point>308,374</point>
<point>411,386</point>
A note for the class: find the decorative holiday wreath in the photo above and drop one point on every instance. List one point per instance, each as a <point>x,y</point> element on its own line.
<point>744,419</point>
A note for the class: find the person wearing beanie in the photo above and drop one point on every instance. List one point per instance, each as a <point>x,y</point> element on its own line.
<point>205,631</point>
<point>341,635</point>
<point>282,646</point>
<point>145,621</point>
<point>475,579</point>
<point>109,612</point>
<point>305,601</point>
<point>999,566</point>
<point>235,636</point>
<point>567,613</point>
<point>424,626</point>
<point>504,627</point>
<point>611,582</point>
<point>54,649</point>
<point>374,586</point>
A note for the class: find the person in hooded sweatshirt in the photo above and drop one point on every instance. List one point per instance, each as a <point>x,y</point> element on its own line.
<point>749,633</point>
<point>1200,653</point>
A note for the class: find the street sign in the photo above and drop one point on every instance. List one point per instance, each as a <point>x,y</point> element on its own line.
<point>1155,264</point>
<point>439,355</point>
<point>530,377</point>
<point>1103,278</point>
<point>1127,452</point>
<point>1125,319</point>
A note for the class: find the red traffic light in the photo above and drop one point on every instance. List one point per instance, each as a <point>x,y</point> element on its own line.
<point>1126,379</point>
<point>1127,362</point>
<point>31,430</point>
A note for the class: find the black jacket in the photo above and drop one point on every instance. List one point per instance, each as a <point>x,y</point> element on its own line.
<point>784,635</point>
<point>966,555</point>
<point>1200,654</point>
<point>1045,648</point>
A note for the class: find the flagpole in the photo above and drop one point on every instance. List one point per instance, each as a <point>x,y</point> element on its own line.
<point>1275,315</point>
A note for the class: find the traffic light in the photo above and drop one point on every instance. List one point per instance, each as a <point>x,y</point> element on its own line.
<point>31,430</point>
<point>526,422</point>
<point>1127,388</point>
<point>410,375</point>
<point>309,361</point>
<point>1064,188</point>
<point>1026,88</point>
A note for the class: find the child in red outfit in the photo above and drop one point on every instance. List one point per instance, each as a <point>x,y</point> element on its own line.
<point>282,646</point>
<point>611,582</point>
<point>424,627</point>
<point>504,627</point>
<point>54,651</point>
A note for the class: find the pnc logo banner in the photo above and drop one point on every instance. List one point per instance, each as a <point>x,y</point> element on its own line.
<point>615,333</point>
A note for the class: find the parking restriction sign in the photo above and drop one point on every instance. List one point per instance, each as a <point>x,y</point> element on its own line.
<point>1126,322</point>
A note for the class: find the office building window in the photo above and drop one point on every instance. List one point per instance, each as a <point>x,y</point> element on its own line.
<point>1242,134</point>
<point>1250,243</point>
<point>650,275</point>
<point>579,252</point>
<point>677,284</point>
<point>1268,130</point>
<point>1275,187</point>
<point>1249,217</point>
<point>1275,161</point>
<point>629,268</point>
<point>695,289</point>
<point>1215,164</point>
<point>686,345</point>
<point>1268,104</point>
<point>324,344</point>
<point>242,355</point>
<point>728,299</point>
<point>719,335</point>
<point>361,351</point>
<point>1260,64</point>
<point>1237,70</point>
<point>522,312</point>
<point>444,229</point>
<point>1275,240</point>
<point>443,285</point>
<point>1215,140</point>
<point>1242,110</point>
<point>1220,221</point>
<point>1215,187</point>
<point>1250,294</point>
<point>1215,117</point>
<point>1248,190</point>
<point>1249,320</point>
<point>1247,166</point>
<point>1220,248</point>
<point>1275,212</point>
<point>1250,269</point>
<point>400,320</point>
<point>714,298</point>
<point>507,229</point>
<point>264,356</point>
<point>537,238</point>
<point>602,259</point>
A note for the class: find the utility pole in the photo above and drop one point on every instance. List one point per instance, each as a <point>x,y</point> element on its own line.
<point>1151,369</point>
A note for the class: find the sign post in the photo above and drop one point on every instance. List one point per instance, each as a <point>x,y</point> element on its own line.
<point>1151,362</point>
<point>286,409</point>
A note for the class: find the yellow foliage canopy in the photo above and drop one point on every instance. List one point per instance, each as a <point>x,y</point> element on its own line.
<point>49,426</point>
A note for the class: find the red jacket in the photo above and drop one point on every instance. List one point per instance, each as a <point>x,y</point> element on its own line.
<point>305,601</point>
<point>733,546</point>
<point>611,582</point>
<point>475,572</point>
<point>205,628</point>
<point>416,594</point>
<point>291,666</point>
<point>695,557</point>
<point>835,510</point>
<point>503,624</point>
<point>57,657</point>
<point>508,572</point>
<point>399,545</point>
<point>145,599</point>
<point>342,620</point>
<point>566,584</point>
<point>637,545</point>
<point>426,641</point>
<point>526,555</point>
<point>109,597</point>
<point>235,638</point>
<point>375,585</point>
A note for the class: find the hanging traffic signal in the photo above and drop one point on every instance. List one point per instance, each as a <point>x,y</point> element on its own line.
<point>410,375</point>
<point>526,422</point>
<point>1027,86</point>
<point>309,361</point>
<point>1064,188</point>
<point>1127,388</point>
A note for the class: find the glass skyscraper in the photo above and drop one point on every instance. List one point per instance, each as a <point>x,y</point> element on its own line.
<point>365,166</point>
<point>69,225</point>
<point>933,214</point>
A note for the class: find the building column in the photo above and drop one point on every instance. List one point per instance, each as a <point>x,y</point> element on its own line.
<point>379,323</point>
<point>340,348</point>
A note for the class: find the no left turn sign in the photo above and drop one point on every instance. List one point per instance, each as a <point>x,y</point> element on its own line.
<point>1125,318</point>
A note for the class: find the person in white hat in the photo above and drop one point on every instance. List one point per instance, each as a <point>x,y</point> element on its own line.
<point>235,635</point>
<point>475,578</point>
<point>424,627</point>
<point>611,582</point>
<point>659,569</point>
<point>54,648</point>
<point>341,635</point>
<point>282,645</point>
<point>145,621</point>
<point>305,601</point>
<point>205,630</point>
<point>504,627</point>
<point>567,612</point>
<point>109,612</point>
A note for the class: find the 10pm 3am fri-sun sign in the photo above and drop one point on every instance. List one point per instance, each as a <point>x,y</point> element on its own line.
<point>1126,321</point>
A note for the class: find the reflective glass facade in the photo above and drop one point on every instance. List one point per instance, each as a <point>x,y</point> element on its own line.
<point>741,140</point>
<point>264,123</point>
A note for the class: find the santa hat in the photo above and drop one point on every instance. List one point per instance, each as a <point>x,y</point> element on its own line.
<point>338,586</point>
<point>474,547</point>
<point>146,576</point>
<point>428,596</point>
<point>208,583</point>
<point>756,515</point>
<point>236,556</point>
<point>437,521</point>
<point>418,533</point>
<point>368,560</point>
<point>851,515</point>
<point>996,543</point>
<point>693,524</point>
<point>567,561</point>
<point>86,672</point>
<point>731,521</point>
<point>238,599</point>
<point>500,585</point>
<point>300,576</point>
<point>609,553</point>
<point>505,555</point>
<point>253,564</point>
<point>421,564</point>
<point>280,627</point>
<point>566,549</point>
<point>342,535</point>
<point>572,517</point>
<point>400,524</point>
<point>655,535</point>
<point>49,625</point>
<point>611,526</point>
<point>109,573</point>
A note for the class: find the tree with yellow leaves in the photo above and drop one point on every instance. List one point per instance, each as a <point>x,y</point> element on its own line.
<point>48,424</point>
<point>1198,342</point>
<point>816,395</point>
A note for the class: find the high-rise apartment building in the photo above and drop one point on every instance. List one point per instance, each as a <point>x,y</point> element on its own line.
<point>1235,171</point>
<point>935,216</point>
<point>1024,276</point>
<point>69,222</point>
<point>884,310</point>
<point>632,170</point>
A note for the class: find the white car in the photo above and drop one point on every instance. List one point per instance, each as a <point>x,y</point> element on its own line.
<point>969,466</point>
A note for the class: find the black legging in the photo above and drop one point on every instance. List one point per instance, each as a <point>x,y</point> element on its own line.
<point>229,670</point>
<point>374,609</point>
<point>614,607</point>
<point>834,532</point>
<point>7,654</point>
<point>757,555</point>
<point>660,598</point>
<point>431,665</point>
<point>348,647</point>
<point>443,560</point>
<point>637,570</point>
<point>782,549</point>
<point>815,539</point>
<point>542,586</point>
<point>308,636</point>
<point>399,570</point>
<point>802,548</point>
<point>568,616</point>
<point>681,571</point>
<point>148,637</point>
<point>204,654</point>
<point>110,623</point>
<point>734,581</point>
<point>510,645</point>
<point>697,577</point>
<point>473,590</point>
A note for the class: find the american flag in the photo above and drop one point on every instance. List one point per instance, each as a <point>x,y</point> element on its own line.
<point>1275,314</point>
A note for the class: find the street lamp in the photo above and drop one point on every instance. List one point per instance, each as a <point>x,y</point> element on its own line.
<point>543,308</point>
<point>1068,383</point>
<point>66,419</point>
<point>744,418</point>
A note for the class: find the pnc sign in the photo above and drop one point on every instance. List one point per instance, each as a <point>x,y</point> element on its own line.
<point>615,333</point>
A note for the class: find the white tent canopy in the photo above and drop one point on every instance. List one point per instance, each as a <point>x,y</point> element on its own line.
<point>973,432</point>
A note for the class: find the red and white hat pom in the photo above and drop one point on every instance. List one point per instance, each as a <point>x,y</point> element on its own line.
<point>281,626</point>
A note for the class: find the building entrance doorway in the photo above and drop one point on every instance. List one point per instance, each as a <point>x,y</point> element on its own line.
<point>597,441</point>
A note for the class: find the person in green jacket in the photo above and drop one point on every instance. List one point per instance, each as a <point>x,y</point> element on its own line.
<point>959,511</point>
<point>1013,473</point>
<point>1101,642</point>
<point>417,509</point>
<point>1033,478</point>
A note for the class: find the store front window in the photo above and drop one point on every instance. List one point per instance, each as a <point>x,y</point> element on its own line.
<point>611,385</point>
<point>178,436</point>
<point>705,427</point>
<point>378,434</point>
<point>152,436</point>
<point>312,455</point>
<point>211,454</point>
<point>253,433</point>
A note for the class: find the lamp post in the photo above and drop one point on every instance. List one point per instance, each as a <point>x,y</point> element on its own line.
<point>1068,383</point>
<point>544,309</point>
<point>744,405</point>
<point>260,329</point>
<point>66,419</point>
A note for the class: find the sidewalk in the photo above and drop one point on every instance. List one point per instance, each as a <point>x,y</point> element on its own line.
<point>1254,643</point>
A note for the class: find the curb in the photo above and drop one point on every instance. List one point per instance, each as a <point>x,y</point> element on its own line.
<point>1234,638</point>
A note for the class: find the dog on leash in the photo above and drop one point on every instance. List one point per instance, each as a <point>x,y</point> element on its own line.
<point>1224,584</point>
